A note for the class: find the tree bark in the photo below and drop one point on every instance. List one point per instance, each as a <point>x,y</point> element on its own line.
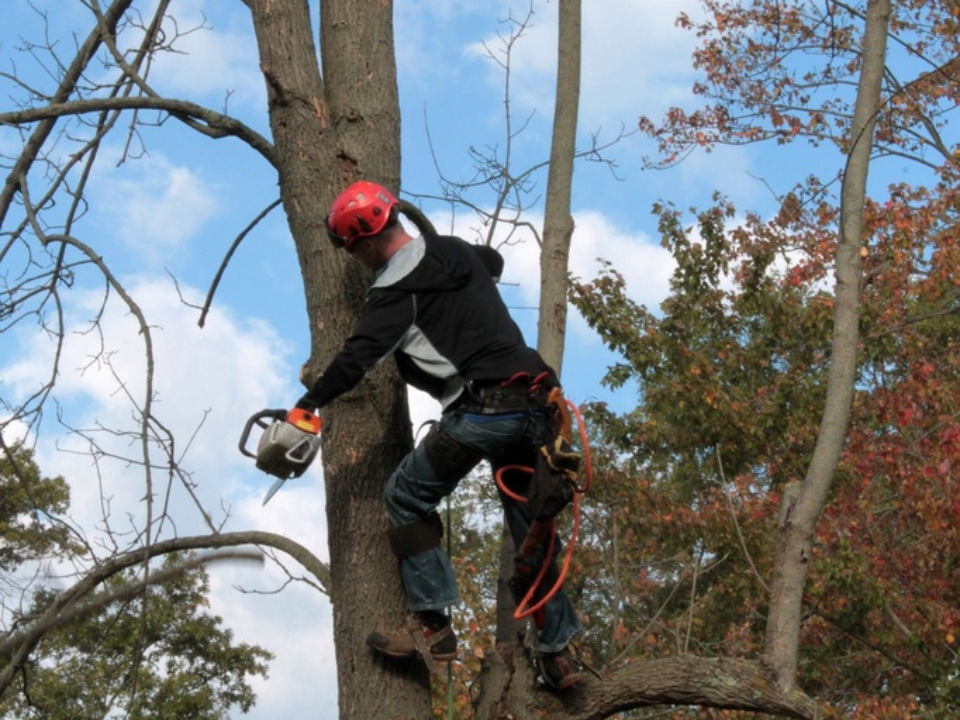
<point>328,135</point>
<point>800,514</point>
<point>558,223</point>
<point>719,683</point>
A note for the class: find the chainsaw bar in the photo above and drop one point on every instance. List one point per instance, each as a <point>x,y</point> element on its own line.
<point>273,490</point>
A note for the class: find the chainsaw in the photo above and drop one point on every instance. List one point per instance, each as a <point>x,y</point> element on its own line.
<point>288,444</point>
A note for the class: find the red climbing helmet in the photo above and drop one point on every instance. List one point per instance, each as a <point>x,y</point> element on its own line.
<point>363,209</point>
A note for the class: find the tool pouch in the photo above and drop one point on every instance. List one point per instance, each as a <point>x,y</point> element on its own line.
<point>555,473</point>
<point>554,479</point>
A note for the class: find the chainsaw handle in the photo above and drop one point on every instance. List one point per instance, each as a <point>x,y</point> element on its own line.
<point>259,419</point>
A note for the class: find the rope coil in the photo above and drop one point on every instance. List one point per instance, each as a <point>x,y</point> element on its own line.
<point>523,607</point>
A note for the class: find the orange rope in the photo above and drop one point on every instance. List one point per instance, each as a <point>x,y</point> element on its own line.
<point>523,610</point>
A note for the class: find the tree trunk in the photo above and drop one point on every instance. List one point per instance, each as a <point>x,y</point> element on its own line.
<point>558,223</point>
<point>326,136</point>
<point>800,513</point>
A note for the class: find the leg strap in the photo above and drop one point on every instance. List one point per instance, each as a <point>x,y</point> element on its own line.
<point>420,641</point>
<point>416,537</point>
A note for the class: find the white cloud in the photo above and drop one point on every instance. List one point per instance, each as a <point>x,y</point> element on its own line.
<point>645,265</point>
<point>212,62</point>
<point>153,205</point>
<point>634,61</point>
<point>423,408</point>
<point>207,382</point>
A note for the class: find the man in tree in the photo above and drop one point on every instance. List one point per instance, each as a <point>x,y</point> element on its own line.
<point>434,306</point>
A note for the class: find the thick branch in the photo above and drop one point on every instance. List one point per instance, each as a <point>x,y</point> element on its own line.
<point>721,683</point>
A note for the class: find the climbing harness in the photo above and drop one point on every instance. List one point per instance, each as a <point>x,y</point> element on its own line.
<point>557,456</point>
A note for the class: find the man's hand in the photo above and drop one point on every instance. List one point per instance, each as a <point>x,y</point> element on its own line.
<point>307,403</point>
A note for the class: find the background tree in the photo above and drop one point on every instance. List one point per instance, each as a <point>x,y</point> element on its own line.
<point>29,506</point>
<point>734,375</point>
<point>789,101</point>
<point>690,485</point>
<point>160,655</point>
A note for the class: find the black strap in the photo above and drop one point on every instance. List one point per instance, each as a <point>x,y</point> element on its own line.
<point>416,537</point>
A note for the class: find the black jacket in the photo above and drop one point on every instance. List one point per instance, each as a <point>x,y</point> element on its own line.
<point>436,308</point>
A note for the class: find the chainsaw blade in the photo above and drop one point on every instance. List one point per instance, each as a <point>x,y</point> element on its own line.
<point>273,490</point>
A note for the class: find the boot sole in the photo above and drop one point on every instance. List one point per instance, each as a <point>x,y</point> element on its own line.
<point>437,657</point>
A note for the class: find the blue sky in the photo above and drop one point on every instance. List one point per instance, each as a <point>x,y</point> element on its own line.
<point>175,211</point>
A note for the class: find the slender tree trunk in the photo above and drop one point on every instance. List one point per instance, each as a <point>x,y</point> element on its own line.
<point>802,508</point>
<point>558,222</point>
<point>327,135</point>
<point>554,260</point>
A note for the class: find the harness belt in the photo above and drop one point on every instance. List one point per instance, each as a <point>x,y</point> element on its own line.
<point>495,397</point>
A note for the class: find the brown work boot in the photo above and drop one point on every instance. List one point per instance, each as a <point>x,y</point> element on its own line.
<point>433,644</point>
<point>559,670</point>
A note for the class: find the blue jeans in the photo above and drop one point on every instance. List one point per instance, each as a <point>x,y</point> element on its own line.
<point>415,490</point>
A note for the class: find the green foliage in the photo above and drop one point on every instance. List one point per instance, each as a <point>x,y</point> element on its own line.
<point>731,373</point>
<point>161,655</point>
<point>29,506</point>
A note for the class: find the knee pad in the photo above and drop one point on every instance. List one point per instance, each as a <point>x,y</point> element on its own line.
<point>416,537</point>
<point>449,458</point>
